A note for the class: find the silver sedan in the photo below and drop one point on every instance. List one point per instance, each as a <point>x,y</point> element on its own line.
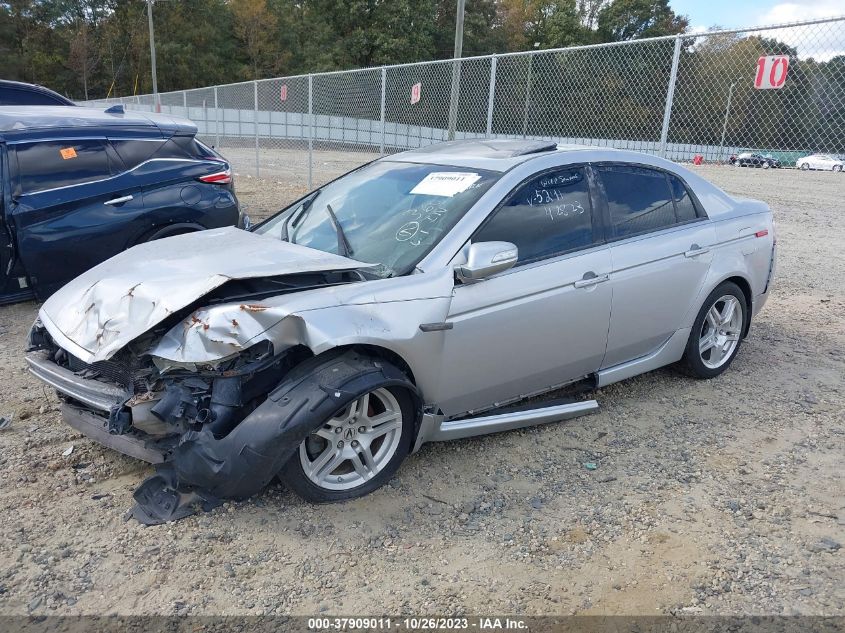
<point>421,297</point>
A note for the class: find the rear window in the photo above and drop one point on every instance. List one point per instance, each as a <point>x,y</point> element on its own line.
<point>52,164</point>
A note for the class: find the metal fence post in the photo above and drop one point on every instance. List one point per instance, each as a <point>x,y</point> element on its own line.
<point>255,122</point>
<point>670,96</point>
<point>185,101</point>
<point>310,133</point>
<point>725,124</point>
<point>383,87</point>
<point>491,94</point>
<point>527,94</point>
<point>216,120</point>
<point>453,98</point>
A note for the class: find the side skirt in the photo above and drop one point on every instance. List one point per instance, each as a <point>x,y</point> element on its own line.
<point>670,352</point>
<point>434,429</point>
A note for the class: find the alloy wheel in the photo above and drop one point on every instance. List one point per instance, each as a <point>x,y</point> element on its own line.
<point>720,332</point>
<point>355,444</point>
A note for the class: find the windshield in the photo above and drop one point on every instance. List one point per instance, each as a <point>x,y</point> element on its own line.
<point>389,213</point>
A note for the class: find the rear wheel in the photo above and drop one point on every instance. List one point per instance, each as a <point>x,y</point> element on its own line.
<point>766,164</point>
<point>717,332</point>
<point>805,166</point>
<point>168,232</point>
<point>837,168</point>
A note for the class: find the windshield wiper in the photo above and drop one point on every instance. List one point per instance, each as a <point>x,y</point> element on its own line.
<point>343,246</point>
<point>283,234</point>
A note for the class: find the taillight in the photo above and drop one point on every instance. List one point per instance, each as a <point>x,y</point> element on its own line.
<point>219,178</point>
<point>762,233</point>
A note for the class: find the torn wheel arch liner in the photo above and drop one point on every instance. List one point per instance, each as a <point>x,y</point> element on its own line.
<point>247,459</point>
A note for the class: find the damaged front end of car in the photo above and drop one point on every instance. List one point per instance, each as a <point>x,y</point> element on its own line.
<point>145,407</point>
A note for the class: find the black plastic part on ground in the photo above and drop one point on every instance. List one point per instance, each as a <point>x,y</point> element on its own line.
<point>204,470</point>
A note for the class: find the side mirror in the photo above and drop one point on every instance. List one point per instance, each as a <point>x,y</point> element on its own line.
<point>486,259</point>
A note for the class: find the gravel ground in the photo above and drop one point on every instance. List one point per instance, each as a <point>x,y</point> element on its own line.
<point>715,497</point>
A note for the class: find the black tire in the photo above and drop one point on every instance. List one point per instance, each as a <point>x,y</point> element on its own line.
<point>293,474</point>
<point>805,166</point>
<point>837,168</point>
<point>692,363</point>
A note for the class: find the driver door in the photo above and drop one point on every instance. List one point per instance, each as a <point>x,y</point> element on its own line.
<point>544,321</point>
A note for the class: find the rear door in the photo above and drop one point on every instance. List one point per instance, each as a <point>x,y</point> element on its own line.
<point>69,208</point>
<point>660,251</point>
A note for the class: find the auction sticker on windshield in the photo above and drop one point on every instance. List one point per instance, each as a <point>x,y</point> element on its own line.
<point>445,183</point>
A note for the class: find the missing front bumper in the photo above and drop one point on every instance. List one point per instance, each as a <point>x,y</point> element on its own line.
<point>95,427</point>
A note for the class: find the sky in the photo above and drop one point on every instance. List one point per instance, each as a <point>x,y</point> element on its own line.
<point>704,14</point>
<point>819,41</point>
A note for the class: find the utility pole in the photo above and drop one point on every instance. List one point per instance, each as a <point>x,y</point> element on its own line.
<point>456,69</point>
<point>156,104</point>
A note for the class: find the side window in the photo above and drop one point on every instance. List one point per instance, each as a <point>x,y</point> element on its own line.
<point>133,152</point>
<point>16,97</point>
<point>549,215</point>
<point>51,164</point>
<point>639,199</point>
<point>684,206</point>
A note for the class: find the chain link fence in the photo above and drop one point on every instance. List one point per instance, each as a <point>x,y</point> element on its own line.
<point>777,89</point>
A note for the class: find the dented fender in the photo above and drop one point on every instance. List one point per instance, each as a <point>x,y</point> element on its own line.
<point>321,320</point>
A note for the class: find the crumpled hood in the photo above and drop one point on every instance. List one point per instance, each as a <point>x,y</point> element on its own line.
<point>105,308</point>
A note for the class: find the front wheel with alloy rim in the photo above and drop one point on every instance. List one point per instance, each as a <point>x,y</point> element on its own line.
<point>356,450</point>
<point>717,332</point>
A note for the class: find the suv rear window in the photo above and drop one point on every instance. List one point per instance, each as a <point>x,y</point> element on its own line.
<point>133,152</point>
<point>51,164</point>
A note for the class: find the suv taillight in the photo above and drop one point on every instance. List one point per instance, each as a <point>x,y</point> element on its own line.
<point>218,178</point>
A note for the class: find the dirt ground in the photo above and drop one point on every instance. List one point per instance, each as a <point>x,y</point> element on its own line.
<point>714,497</point>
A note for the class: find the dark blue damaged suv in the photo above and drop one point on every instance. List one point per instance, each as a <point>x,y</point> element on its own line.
<point>78,185</point>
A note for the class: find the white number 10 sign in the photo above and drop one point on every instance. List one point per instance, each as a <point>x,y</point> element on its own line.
<point>771,72</point>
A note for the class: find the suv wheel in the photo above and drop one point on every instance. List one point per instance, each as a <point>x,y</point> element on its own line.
<point>717,332</point>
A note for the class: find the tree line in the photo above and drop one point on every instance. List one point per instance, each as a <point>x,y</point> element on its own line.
<point>97,48</point>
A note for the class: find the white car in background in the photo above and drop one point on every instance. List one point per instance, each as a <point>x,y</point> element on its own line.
<point>821,161</point>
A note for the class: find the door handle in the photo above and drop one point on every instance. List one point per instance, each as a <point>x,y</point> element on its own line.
<point>119,200</point>
<point>586,282</point>
<point>695,250</point>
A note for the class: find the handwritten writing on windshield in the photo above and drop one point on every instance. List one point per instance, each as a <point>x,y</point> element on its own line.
<point>425,217</point>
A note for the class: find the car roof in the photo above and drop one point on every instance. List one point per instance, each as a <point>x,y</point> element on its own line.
<point>38,121</point>
<point>20,85</point>
<point>501,155</point>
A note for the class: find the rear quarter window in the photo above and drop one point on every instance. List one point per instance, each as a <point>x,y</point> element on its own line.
<point>133,152</point>
<point>52,164</point>
<point>684,206</point>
